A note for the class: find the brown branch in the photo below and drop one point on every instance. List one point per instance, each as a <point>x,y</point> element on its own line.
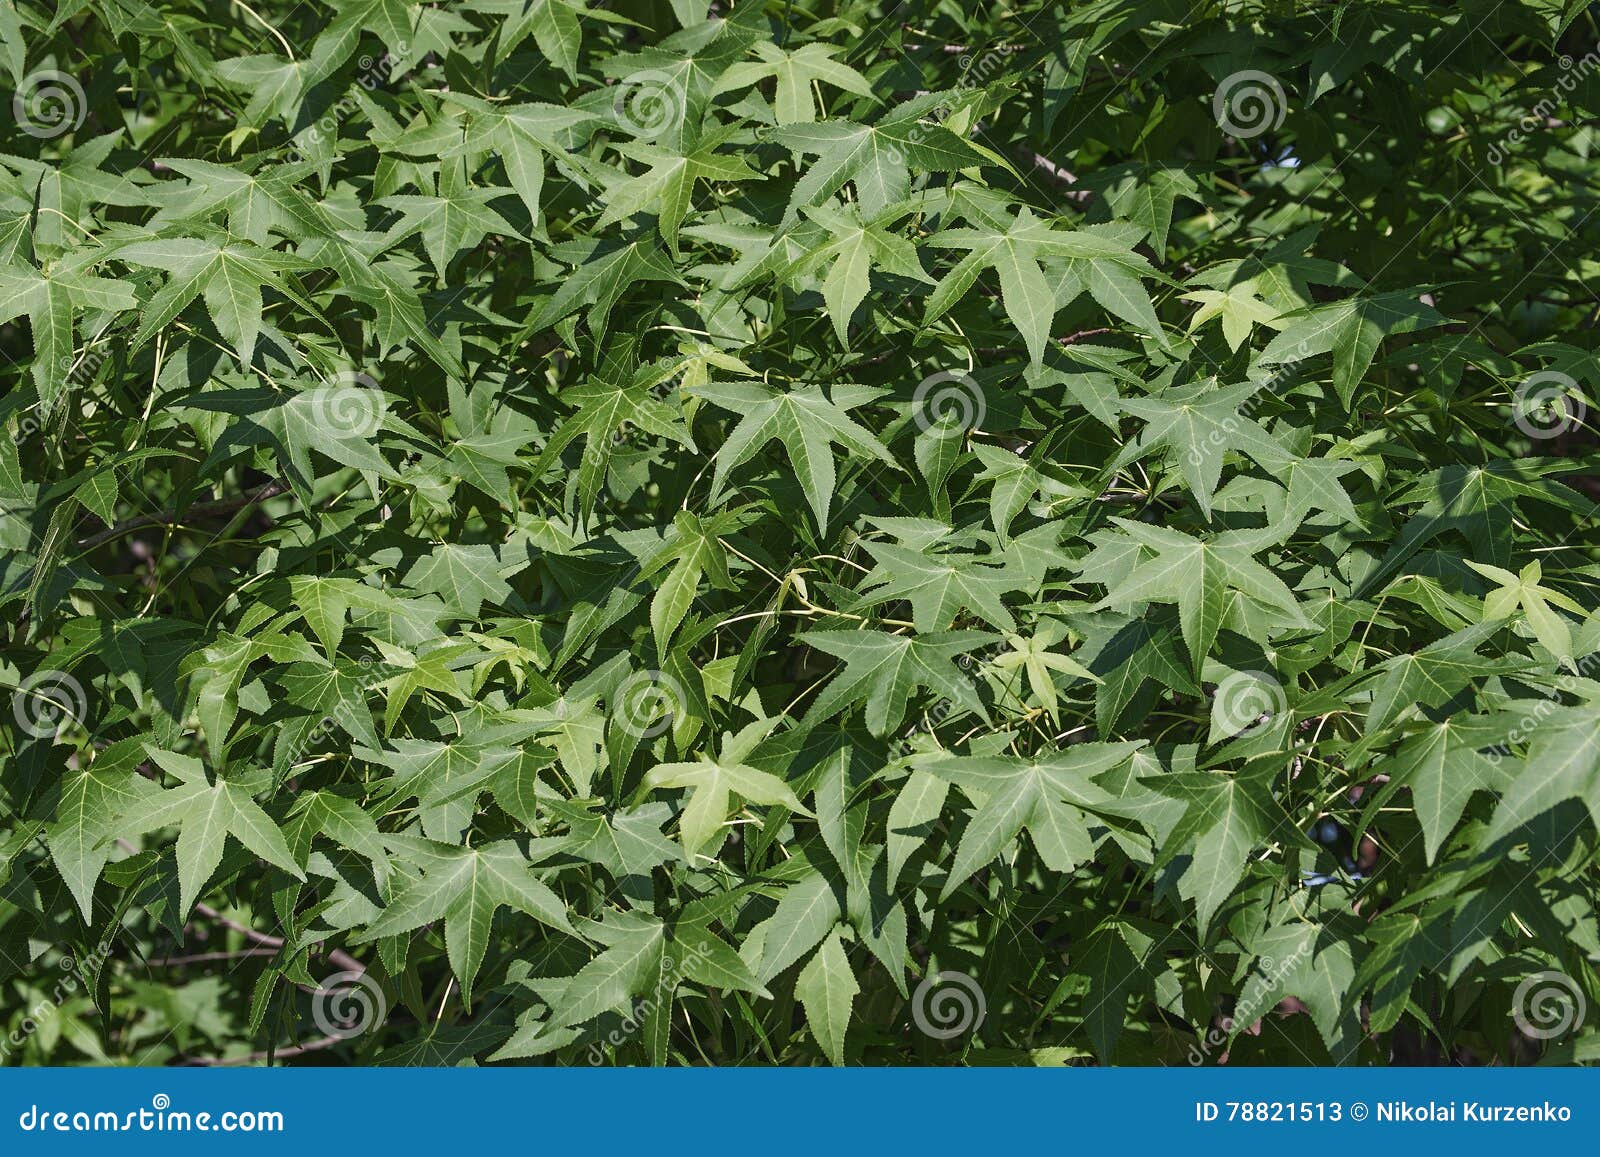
<point>1065,176</point>
<point>209,957</point>
<point>335,956</point>
<point>200,510</point>
<point>1065,340</point>
<point>274,1054</point>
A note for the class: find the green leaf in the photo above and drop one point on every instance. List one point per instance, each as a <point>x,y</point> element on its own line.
<point>1352,329</point>
<point>667,186</point>
<point>228,276</point>
<point>1097,259</point>
<point>1201,577</point>
<point>51,300</point>
<point>1443,768</point>
<point>876,159</point>
<point>882,670</point>
<point>464,576</point>
<point>1226,818</point>
<point>1049,797</point>
<point>1201,427</point>
<point>795,73</point>
<point>464,887</point>
<point>826,988</point>
<point>807,421</point>
<point>93,800</point>
<point>205,814</point>
<point>1563,763</point>
<point>711,782</point>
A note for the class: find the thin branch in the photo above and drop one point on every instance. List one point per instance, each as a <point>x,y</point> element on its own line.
<point>274,1054</point>
<point>209,957</point>
<point>200,510</point>
<point>335,956</point>
<point>1064,175</point>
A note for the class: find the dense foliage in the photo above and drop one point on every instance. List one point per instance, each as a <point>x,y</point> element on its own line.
<point>575,532</point>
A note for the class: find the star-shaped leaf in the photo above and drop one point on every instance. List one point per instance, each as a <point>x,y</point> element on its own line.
<point>205,814</point>
<point>807,420</point>
<point>227,275</point>
<point>464,887</point>
<point>1227,817</point>
<point>464,576</point>
<point>1200,576</point>
<point>711,781</point>
<point>882,670</point>
<point>1046,794</point>
<point>1352,329</point>
<point>1200,426</point>
<point>795,73</point>
<point>877,158</point>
